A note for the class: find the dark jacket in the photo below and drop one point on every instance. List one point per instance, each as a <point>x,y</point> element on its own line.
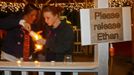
<point>59,42</point>
<point>13,42</point>
<point>10,21</point>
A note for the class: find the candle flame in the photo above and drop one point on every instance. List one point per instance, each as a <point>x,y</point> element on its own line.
<point>18,61</point>
<point>37,36</point>
<point>36,62</point>
<point>38,47</point>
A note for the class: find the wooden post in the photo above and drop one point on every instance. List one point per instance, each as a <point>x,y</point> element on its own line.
<point>132,33</point>
<point>102,49</point>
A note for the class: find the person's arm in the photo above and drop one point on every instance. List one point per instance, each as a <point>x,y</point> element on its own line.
<point>63,44</point>
<point>9,22</point>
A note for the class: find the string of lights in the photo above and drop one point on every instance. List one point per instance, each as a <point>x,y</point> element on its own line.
<point>15,7</point>
<point>120,3</point>
<point>11,7</point>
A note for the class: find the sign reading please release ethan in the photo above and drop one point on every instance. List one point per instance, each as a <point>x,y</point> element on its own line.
<point>105,25</point>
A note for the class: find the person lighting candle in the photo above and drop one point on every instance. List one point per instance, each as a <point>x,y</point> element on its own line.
<point>60,37</point>
<point>17,43</point>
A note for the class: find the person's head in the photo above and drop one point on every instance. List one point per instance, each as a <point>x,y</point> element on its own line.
<point>30,13</point>
<point>51,14</point>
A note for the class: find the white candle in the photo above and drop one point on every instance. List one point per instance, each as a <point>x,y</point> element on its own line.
<point>37,63</point>
<point>19,63</point>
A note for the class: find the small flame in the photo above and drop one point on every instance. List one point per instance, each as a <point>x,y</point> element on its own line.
<point>36,36</point>
<point>38,47</point>
<point>18,62</point>
<point>36,62</point>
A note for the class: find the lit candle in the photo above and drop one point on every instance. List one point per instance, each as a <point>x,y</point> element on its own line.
<point>38,47</point>
<point>19,63</point>
<point>36,37</point>
<point>37,63</point>
<point>52,62</point>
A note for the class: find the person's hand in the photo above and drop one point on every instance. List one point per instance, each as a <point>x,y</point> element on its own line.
<point>41,41</point>
<point>27,27</point>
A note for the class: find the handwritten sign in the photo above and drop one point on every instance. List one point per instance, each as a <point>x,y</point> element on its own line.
<point>105,25</point>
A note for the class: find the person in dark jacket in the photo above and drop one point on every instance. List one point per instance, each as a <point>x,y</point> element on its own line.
<point>59,37</point>
<point>18,28</point>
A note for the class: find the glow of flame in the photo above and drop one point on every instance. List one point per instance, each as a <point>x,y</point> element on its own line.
<point>37,36</point>
<point>18,62</point>
<point>36,62</point>
<point>38,47</point>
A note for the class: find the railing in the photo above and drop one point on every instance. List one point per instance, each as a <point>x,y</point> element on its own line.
<point>100,65</point>
<point>41,67</point>
<point>78,49</point>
